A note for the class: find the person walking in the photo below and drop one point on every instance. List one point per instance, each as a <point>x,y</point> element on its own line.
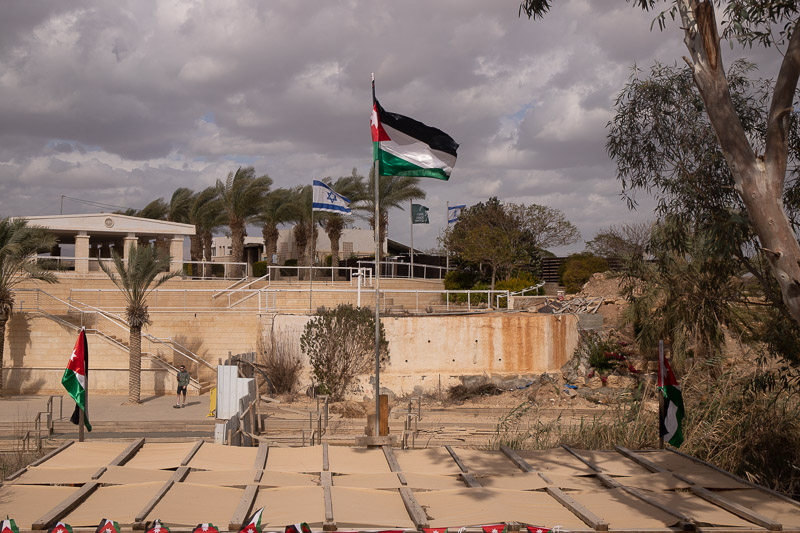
<point>183,383</point>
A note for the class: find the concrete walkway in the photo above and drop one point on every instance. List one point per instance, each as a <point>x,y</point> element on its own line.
<point>108,408</point>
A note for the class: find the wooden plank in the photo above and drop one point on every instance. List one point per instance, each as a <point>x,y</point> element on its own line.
<point>127,453</point>
<point>588,517</point>
<point>243,509</point>
<point>261,457</point>
<point>521,463</point>
<point>191,453</point>
<point>177,477</point>
<point>737,478</point>
<point>325,463</point>
<point>326,480</point>
<point>735,508</point>
<point>65,507</point>
<point>402,478</point>
<point>639,460</point>
<point>581,459</point>
<point>39,461</point>
<point>122,458</point>
<point>50,455</point>
<point>383,426</point>
<point>414,509</point>
<point>391,459</point>
<point>456,458</point>
<point>470,480</point>
<point>614,484</point>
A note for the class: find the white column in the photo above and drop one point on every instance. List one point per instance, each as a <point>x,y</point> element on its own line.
<point>176,253</point>
<point>82,253</point>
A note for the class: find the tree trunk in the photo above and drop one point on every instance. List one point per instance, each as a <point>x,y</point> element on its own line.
<point>300,241</point>
<point>237,246</point>
<point>135,365</point>
<point>270,234</point>
<point>758,179</point>
<point>3,322</point>
<point>196,246</point>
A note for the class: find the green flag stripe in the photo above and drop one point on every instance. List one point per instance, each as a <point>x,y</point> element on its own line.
<point>391,165</point>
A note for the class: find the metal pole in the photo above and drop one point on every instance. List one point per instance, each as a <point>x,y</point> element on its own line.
<point>311,260</point>
<point>377,288</point>
<point>446,227</point>
<point>411,210</point>
<point>661,402</point>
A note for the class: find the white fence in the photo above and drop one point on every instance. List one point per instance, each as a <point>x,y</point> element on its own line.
<point>236,399</point>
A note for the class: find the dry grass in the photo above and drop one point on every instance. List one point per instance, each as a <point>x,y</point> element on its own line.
<point>282,364</point>
<point>753,433</point>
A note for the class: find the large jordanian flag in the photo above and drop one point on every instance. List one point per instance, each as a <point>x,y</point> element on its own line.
<point>671,419</point>
<point>74,379</point>
<point>406,147</point>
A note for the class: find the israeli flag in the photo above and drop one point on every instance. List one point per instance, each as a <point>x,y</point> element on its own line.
<point>326,199</point>
<point>453,212</point>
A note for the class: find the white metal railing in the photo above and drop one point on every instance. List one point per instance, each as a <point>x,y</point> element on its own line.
<point>399,269</point>
<point>110,327</point>
<point>296,299</point>
<point>198,270</point>
<point>519,293</point>
<point>230,291</point>
<point>320,273</point>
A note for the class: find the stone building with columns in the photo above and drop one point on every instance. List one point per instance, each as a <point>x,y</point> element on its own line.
<point>83,239</point>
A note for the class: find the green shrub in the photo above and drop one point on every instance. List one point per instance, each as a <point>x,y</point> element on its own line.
<point>340,344</point>
<point>259,269</point>
<point>578,268</point>
<point>522,281</point>
<point>218,271</point>
<point>289,271</point>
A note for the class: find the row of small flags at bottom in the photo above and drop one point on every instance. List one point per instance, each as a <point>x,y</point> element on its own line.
<point>253,525</point>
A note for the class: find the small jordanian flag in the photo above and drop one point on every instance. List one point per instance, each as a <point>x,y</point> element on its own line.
<point>253,524</point>
<point>8,526</point>
<point>406,147</point>
<point>671,419</point>
<point>107,526</point>
<point>434,529</point>
<point>75,376</point>
<point>157,527</point>
<point>499,528</point>
<point>60,527</point>
<point>534,529</point>
<point>298,528</point>
<point>205,528</point>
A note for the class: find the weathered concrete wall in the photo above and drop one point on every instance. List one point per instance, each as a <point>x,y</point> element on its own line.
<point>428,352</point>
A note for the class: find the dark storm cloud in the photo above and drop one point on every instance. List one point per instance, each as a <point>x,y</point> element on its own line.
<point>124,102</point>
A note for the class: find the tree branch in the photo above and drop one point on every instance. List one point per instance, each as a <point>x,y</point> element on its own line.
<point>777,139</point>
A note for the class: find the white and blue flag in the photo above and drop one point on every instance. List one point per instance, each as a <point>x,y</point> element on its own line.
<point>453,212</point>
<point>326,199</point>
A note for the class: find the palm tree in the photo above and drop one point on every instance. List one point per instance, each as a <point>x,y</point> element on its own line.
<point>143,273</point>
<point>275,210</point>
<point>333,223</point>
<point>242,195</point>
<point>205,213</point>
<point>393,191</point>
<point>299,212</point>
<point>19,244</point>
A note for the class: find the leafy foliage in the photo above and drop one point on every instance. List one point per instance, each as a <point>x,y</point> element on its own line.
<point>578,268</point>
<point>623,241</point>
<point>340,344</point>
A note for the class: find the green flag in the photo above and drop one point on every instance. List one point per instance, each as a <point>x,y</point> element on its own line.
<point>75,376</point>
<point>419,214</point>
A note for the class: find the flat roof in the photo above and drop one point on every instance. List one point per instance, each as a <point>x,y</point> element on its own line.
<point>109,223</point>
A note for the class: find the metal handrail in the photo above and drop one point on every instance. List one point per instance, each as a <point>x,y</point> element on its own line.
<point>519,293</point>
<point>240,289</point>
<point>386,273</point>
<point>182,350</point>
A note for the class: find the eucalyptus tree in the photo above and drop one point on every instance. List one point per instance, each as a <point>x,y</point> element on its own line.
<point>145,270</point>
<point>19,245</point>
<point>757,163</point>
<point>241,196</point>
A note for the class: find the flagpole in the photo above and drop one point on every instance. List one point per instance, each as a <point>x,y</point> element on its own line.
<point>377,289</point>
<point>82,414</point>
<point>311,257</point>
<point>446,227</point>
<point>661,402</point>
<point>411,212</point>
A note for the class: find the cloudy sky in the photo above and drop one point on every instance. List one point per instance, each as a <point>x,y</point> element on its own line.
<point>123,102</point>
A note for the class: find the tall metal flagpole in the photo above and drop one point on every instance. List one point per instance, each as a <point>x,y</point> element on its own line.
<point>311,257</point>
<point>377,290</point>
<point>661,402</point>
<point>446,227</point>
<point>411,210</point>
